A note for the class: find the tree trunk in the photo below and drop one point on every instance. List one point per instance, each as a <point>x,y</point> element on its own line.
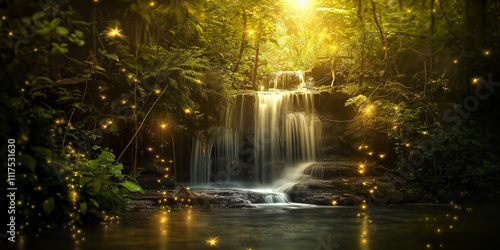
<point>256,65</point>
<point>243,42</point>
<point>382,35</point>
<point>401,5</point>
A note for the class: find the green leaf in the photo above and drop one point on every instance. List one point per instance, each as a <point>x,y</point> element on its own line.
<point>116,170</point>
<point>358,100</point>
<point>55,22</point>
<point>49,205</point>
<point>94,202</point>
<point>38,15</point>
<point>27,161</point>
<point>60,30</point>
<point>132,187</point>
<point>83,207</point>
<point>45,152</point>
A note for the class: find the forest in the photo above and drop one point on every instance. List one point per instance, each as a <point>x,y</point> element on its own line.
<point>95,92</point>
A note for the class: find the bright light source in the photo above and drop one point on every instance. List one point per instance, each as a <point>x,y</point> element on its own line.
<point>187,111</point>
<point>475,80</point>
<point>163,125</point>
<point>114,32</point>
<point>302,2</point>
<point>212,241</point>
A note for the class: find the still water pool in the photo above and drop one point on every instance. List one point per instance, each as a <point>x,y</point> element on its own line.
<point>376,227</point>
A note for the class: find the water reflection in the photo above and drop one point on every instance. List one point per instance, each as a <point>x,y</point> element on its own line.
<point>334,227</point>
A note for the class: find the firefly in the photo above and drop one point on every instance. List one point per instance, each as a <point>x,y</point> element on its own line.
<point>163,125</point>
<point>212,241</point>
<point>114,32</point>
<point>382,156</point>
<point>475,80</point>
<point>150,149</point>
<point>487,52</point>
<point>187,111</point>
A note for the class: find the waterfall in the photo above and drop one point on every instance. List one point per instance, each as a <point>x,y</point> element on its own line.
<point>261,134</point>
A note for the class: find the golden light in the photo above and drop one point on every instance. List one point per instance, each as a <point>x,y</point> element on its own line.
<point>104,126</point>
<point>124,102</point>
<point>424,133</point>
<point>371,191</point>
<point>361,166</point>
<point>157,156</point>
<point>133,106</point>
<point>157,91</point>
<point>370,153</point>
<point>166,176</point>
<point>162,160</point>
<point>95,1</point>
<point>382,156</point>
<point>363,207</point>
<point>455,61</point>
<point>407,144</point>
<point>110,122</point>
<point>163,126</point>
<point>369,109</point>
<point>475,80</point>
<point>439,230</point>
<point>487,52</point>
<point>187,111</point>
<point>4,17</point>
<point>170,161</point>
<point>123,70</point>
<point>188,188</point>
<point>302,2</point>
<point>159,180</point>
<point>114,32</point>
<point>212,241</point>
<point>250,32</point>
<point>103,97</point>
<point>334,203</point>
<point>360,147</point>
<point>152,4</point>
<point>150,149</point>
<point>361,171</point>
<point>10,33</point>
<point>366,146</point>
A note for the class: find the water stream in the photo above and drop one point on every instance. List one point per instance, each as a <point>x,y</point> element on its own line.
<point>376,227</point>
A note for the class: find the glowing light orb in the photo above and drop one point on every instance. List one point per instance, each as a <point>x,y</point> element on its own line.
<point>212,241</point>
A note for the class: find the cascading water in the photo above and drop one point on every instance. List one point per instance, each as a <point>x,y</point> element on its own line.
<point>262,135</point>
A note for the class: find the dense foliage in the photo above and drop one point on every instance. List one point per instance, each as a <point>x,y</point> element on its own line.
<point>75,82</point>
